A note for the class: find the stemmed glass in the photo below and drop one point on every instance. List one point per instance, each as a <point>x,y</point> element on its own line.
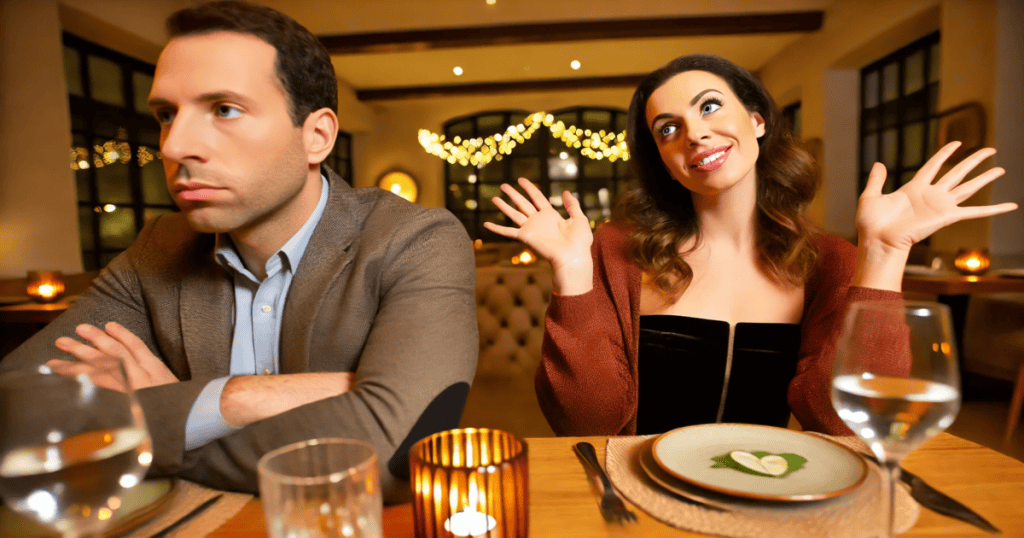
<point>70,448</point>
<point>896,382</point>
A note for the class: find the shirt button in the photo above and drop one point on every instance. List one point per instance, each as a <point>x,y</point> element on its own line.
<point>266,371</point>
<point>266,309</point>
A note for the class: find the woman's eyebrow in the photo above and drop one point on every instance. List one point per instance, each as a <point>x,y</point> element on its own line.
<point>701,94</point>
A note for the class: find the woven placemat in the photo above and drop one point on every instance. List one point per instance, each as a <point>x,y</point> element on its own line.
<point>188,496</point>
<point>855,515</point>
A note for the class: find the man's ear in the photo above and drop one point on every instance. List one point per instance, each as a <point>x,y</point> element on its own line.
<point>318,134</point>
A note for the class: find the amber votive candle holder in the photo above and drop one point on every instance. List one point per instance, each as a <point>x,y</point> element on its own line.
<point>972,262</point>
<point>45,286</point>
<point>470,482</point>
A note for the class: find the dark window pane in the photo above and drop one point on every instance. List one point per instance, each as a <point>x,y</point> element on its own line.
<point>889,148</point>
<point>117,228</point>
<point>913,145</point>
<point>913,74</point>
<point>459,174</point>
<point>870,89</point>
<point>154,185</point>
<point>491,125</point>
<point>73,72</point>
<point>462,130</point>
<point>597,120</point>
<point>113,184</point>
<point>528,167</point>
<point>597,168</point>
<point>85,216</point>
<point>487,192</point>
<point>932,138</point>
<point>933,63</point>
<point>869,149</point>
<point>142,83</point>
<point>890,82</point>
<point>458,194</point>
<point>105,80</point>
<point>494,172</point>
<point>566,167</point>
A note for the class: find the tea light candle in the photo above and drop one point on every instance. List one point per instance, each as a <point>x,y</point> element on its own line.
<point>44,286</point>
<point>972,262</point>
<point>470,523</point>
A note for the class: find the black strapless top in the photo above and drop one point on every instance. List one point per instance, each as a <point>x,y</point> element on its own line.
<point>684,365</point>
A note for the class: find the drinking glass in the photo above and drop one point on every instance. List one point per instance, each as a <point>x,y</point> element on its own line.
<point>70,448</point>
<point>896,382</point>
<point>322,488</point>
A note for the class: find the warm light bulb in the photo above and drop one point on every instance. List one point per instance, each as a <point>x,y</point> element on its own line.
<point>109,208</point>
<point>575,65</point>
<point>457,71</point>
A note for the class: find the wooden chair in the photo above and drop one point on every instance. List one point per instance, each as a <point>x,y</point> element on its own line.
<point>994,345</point>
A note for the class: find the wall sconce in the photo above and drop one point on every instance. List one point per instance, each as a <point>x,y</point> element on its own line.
<point>524,258</point>
<point>400,183</point>
<point>45,286</point>
<point>470,482</point>
<point>972,262</point>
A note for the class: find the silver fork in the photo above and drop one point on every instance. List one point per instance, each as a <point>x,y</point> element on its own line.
<point>612,507</point>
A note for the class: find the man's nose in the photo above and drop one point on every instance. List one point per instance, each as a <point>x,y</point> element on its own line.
<point>184,139</point>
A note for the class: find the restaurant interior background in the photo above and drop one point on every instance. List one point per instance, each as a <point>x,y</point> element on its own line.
<point>74,75</point>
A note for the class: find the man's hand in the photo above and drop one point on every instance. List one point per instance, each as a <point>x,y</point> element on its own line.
<point>142,368</point>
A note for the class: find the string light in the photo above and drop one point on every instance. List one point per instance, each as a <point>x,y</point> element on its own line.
<point>457,71</point>
<point>575,65</point>
<point>111,152</point>
<point>481,151</point>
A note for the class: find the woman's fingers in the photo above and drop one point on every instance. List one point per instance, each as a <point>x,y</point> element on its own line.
<point>572,205</point>
<point>960,171</point>
<point>982,211</point>
<point>876,180</point>
<point>524,205</point>
<point>509,211</point>
<point>511,233</point>
<point>932,167</point>
<point>539,200</point>
<point>967,189</point>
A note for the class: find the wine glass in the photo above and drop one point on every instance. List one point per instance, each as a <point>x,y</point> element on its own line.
<point>70,447</point>
<point>896,382</point>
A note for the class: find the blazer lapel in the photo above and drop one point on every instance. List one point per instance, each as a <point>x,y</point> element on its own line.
<point>329,251</point>
<point>206,303</point>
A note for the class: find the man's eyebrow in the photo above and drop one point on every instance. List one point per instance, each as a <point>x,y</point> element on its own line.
<point>206,98</point>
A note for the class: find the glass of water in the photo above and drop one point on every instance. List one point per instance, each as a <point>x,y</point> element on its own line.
<point>71,447</point>
<point>896,383</point>
<point>321,488</point>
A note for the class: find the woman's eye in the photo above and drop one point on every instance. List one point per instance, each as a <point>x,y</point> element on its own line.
<point>667,130</point>
<point>226,111</point>
<point>710,107</point>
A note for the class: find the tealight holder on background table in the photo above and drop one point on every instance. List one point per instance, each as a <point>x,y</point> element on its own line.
<point>470,482</point>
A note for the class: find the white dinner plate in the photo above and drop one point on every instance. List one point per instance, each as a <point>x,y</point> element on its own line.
<point>696,455</point>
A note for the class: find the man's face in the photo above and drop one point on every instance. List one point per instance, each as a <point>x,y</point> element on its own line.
<point>234,161</point>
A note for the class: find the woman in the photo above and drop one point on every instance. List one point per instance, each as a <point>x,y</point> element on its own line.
<point>709,297</point>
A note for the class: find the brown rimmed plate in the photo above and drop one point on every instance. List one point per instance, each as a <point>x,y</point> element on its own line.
<point>692,455</point>
<point>138,505</point>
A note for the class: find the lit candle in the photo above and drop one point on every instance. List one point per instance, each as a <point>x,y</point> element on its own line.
<point>44,286</point>
<point>469,522</point>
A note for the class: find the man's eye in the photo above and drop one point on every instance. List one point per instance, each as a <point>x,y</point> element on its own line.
<point>667,130</point>
<point>164,116</point>
<point>226,111</point>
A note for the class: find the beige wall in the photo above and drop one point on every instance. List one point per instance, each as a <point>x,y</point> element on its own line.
<point>822,71</point>
<point>392,142</point>
<point>38,208</point>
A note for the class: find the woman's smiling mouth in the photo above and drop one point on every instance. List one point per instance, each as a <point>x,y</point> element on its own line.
<point>711,159</point>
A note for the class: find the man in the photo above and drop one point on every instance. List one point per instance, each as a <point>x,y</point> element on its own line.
<point>280,304</point>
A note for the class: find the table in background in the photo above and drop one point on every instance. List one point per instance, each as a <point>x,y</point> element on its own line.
<point>563,497</point>
<point>20,321</point>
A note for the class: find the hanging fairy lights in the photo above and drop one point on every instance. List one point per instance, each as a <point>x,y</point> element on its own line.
<point>478,152</point>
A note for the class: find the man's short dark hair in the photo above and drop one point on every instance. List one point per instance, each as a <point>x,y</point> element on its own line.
<point>302,65</point>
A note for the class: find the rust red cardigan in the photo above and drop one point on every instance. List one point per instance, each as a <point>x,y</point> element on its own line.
<point>587,379</point>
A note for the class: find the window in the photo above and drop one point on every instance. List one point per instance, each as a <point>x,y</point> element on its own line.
<point>115,149</point>
<point>792,115</point>
<point>544,160</point>
<point>340,159</point>
<point>899,95</point>
<point>115,153</point>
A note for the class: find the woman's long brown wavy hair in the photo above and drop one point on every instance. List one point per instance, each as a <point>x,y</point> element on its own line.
<point>660,210</point>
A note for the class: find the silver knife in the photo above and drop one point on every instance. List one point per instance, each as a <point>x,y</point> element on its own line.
<point>184,519</point>
<point>939,502</point>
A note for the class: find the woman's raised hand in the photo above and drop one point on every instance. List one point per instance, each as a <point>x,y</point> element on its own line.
<point>563,242</point>
<point>889,224</point>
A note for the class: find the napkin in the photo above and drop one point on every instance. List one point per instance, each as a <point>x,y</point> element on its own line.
<point>187,496</point>
<point>854,515</point>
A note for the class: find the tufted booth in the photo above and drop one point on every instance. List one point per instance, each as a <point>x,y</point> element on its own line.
<point>511,302</point>
<point>994,345</point>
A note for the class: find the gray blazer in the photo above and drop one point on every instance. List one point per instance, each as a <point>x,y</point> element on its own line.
<point>385,289</point>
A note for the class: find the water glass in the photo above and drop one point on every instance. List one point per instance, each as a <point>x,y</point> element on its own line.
<point>321,488</point>
<point>896,383</point>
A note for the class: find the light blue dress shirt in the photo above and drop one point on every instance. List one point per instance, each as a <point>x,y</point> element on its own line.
<point>257,334</point>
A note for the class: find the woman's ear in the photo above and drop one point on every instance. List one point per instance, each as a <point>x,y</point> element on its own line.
<point>318,134</point>
<point>758,122</point>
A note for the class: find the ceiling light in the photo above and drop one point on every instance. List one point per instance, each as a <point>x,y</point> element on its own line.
<point>575,64</point>
<point>457,71</point>
<point>492,2</point>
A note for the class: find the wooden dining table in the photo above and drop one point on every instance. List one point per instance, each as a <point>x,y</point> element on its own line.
<point>564,497</point>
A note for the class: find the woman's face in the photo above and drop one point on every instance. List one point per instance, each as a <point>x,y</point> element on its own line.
<point>706,137</point>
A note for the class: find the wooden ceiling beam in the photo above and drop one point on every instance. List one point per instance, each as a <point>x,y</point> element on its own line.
<point>517,34</point>
<point>518,86</point>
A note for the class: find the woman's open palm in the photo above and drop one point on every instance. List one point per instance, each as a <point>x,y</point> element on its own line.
<point>563,242</point>
<point>924,205</point>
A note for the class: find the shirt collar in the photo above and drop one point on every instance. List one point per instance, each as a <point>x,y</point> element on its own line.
<point>288,256</point>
